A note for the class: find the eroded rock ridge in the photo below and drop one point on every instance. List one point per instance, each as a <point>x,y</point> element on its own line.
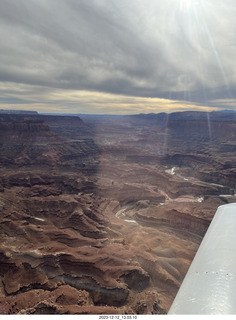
<point>105,214</point>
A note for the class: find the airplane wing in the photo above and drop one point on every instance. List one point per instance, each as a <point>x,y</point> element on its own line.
<point>209,286</point>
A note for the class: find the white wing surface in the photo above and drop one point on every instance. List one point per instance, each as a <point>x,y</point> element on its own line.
<point>209,286</point>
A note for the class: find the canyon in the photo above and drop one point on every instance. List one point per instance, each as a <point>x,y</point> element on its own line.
<point>104,214</point>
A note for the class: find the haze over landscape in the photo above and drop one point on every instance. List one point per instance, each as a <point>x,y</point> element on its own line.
<point>117,145</point>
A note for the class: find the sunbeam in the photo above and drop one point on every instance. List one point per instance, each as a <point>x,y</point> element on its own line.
<point>185,5</point>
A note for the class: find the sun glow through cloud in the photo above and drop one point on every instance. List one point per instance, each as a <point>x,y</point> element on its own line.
<point>110,52</point>
<point>185,5</point>
<point>82,101</point>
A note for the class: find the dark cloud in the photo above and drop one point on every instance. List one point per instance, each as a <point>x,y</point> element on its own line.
<point>175,49</point>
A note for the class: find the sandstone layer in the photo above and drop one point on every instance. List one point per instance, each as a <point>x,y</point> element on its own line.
<point>104,216</point>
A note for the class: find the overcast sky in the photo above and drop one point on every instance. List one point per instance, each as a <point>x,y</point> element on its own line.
<point>117,56</point>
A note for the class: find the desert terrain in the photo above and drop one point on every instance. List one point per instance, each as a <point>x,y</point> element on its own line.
<point>104,214</point>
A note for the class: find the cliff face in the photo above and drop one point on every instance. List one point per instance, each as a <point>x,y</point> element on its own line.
<point>202,130</point>
<point>32,142</point>
<point>21,141</point>
<point>66,126</point>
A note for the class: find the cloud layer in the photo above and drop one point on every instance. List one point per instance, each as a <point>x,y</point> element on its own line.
<point>174,49</point>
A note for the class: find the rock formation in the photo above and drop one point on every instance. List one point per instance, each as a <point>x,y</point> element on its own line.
<point>105,217</point>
